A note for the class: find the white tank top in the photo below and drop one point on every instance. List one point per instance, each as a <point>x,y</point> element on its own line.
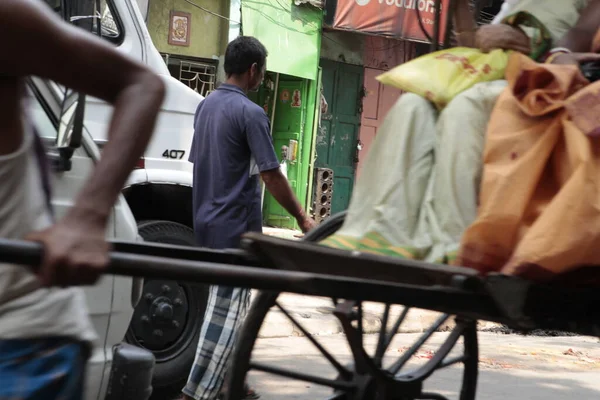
<point>557,15</point>
<point>26,309</point>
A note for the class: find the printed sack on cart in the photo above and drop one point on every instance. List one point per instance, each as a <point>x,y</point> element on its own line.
<point>442,75</point>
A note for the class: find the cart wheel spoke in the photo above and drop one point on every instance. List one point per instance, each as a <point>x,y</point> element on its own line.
<point>413,349</point>
<point>471,352</point>
<point>451,361</point>
<point>339,367</point>
<point>359,316</point>
<point>395,328</point>
<point>335,384</point>
<point>433,364</point>
<point>432,396</point>
<point>382,339</point>
<point>338,396</point>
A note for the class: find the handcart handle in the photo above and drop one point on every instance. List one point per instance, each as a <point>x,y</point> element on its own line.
<point>30,253</point>
<point>138,264</point>
<point>205,272</point>
<point>21,252</point>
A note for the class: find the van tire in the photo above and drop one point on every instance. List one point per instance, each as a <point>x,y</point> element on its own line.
<point>174,361</point>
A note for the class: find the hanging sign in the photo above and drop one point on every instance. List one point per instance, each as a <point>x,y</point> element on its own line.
<point>281,26</point>
<point>396,18</point>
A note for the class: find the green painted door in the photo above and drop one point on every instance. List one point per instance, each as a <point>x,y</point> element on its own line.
<point>338,137</point>
<point>289,124</point>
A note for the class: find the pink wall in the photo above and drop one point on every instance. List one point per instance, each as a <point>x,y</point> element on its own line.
<point>380,55</point>
<point>383,53</point>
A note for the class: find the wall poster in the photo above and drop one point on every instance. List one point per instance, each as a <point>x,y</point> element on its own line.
<point>179,28</point>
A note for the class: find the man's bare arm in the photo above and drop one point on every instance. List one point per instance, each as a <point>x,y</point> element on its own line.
<point>36,42</point>
<point>579,38</point>
<point>464,24</point>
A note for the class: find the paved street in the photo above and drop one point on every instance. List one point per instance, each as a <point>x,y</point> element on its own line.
<point>511,366</point>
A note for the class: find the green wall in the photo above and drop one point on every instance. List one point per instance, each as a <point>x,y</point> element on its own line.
<point>208,32</point>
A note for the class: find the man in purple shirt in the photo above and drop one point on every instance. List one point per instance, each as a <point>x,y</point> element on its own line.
<point>232,147</point>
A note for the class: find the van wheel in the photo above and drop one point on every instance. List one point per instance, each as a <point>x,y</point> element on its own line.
<point>168,318</point>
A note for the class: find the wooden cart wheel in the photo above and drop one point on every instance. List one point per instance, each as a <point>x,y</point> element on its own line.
<point>367,377</point>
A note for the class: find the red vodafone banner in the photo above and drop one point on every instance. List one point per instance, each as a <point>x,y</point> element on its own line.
<point>398,18</point>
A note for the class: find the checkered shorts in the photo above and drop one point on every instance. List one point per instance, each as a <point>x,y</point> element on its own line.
<point>225,313</point>
<point>41,369</point>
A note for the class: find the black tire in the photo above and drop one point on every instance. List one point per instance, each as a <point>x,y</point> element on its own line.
<point>175,351</point>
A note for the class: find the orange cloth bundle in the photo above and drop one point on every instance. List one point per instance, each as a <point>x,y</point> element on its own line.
<point>539,213</point>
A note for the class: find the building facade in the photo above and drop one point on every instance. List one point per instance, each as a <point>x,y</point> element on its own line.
<point>191,35</point>
<point>319,53</point>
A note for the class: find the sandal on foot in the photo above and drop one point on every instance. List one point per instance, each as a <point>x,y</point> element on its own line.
<point>250,394</point>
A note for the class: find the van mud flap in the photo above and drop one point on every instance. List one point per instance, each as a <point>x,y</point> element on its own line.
<point>131,373</point>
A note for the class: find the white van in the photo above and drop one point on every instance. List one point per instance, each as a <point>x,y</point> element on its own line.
<point>156,203</point>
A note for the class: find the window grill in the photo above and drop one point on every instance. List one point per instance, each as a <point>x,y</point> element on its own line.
<point>201,76</point>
